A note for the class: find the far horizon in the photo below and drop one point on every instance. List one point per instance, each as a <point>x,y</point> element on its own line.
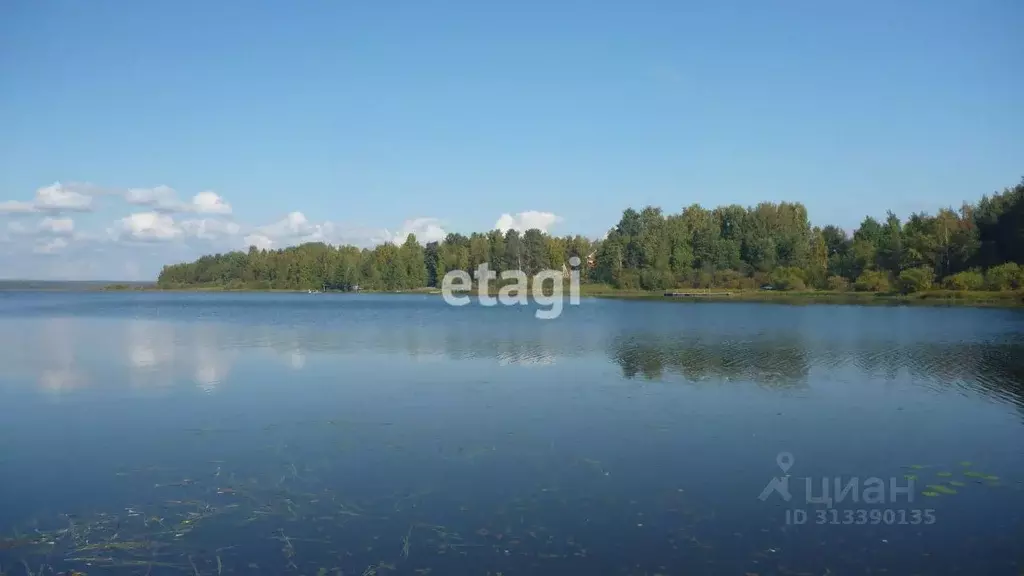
<point>6,281</point>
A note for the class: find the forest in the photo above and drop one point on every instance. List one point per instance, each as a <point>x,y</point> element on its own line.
<point>978,246</point>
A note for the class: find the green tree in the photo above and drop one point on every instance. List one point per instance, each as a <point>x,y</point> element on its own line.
<point>513,250</point>
<point>889,250</point>
<point>535,252</point>
<point>413,260</point>
<point>610,259</point>
<point>999,220</point>
<point>680,249</point>
<point>817,261</point>
<point>434,266</point>
<point>496,250</point>
<point>726,246</point>
<point>479,250</point>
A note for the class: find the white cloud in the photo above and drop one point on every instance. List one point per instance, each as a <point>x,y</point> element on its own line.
<point>88,236</point>
<point>210,203</point>
<point>165,199</point>
<point>16,207</point>
<point>57,226</point>
<point>425,229</point>
<point>57,198</point>
<point>157,197</point>
<point>18,228</point>
<point>260,241</point>
<point>294,228</point>
<point>526,220</point>
<point>50,246</point>
<point>210,229</point>
<point>150,226</point>
<point>46,227</point>
<point>53,198</point>
<point>175,231</point>
<point>362,236</point>
<point>292,225</point>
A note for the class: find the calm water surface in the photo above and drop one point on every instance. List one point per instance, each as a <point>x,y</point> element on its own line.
<point>269,434</point>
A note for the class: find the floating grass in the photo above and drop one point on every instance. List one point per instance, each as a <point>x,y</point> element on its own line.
<point>311,525</point>
<point>405,543</point>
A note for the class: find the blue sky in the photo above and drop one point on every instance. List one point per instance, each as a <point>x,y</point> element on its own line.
<point>359,121</point>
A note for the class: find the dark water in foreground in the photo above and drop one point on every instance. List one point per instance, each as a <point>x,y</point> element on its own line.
<point>297,434</point>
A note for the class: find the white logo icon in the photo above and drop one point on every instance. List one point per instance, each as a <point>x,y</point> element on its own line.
<point>781,485</point>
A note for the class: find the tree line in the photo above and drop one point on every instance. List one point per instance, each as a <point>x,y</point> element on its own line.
<point>979,246</point>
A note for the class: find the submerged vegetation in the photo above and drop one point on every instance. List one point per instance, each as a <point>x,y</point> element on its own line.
<point>978,247</point>
<point>278,513</point>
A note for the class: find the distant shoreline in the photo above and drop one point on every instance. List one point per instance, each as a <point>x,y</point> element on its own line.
<point>69,285</point>
<point>1007,299</point>
<point>934,298</point>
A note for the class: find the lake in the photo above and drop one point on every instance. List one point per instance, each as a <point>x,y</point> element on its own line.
<point>211,434</point>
